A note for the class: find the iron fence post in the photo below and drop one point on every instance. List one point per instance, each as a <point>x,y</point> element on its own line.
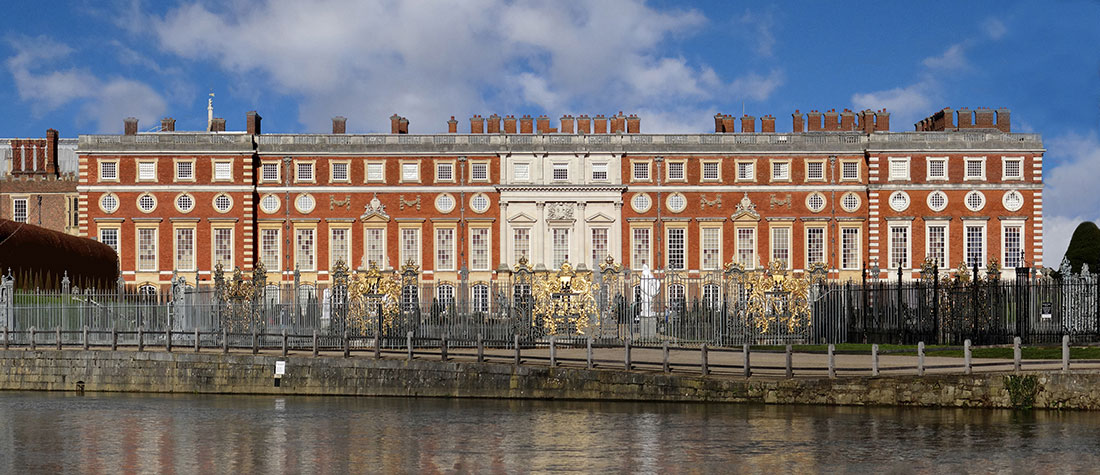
<point>1065,353</point>
<point>347,344</point>
<point>626,354</point>
<point>936,304</point>
<point>57,337</point>
<point>315,349</point>
<point>480,348</point>
<point>168,340</point>
<point>141,338</point>
<point>747,362</point>
<point>33,346</point>
<point>1016,354</point>
<point>703,364</point>
<point>85,337</point>
<point>285,350</point>
<point>443,348</point>
<point>198,340</point>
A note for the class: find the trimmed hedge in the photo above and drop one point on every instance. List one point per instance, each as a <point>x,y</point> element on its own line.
<point>39,257</point>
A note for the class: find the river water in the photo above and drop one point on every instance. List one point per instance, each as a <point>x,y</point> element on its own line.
<point>122,433</point>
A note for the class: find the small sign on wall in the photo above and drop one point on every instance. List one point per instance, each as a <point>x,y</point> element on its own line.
<point>1045,313</point>
<point>280,368</point>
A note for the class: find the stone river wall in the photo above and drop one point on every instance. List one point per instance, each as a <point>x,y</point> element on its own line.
<point>129,371</point>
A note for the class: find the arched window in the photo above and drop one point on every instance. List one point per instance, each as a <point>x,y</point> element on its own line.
<point>481,298</point>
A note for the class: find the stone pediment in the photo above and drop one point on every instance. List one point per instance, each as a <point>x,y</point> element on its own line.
<point>374,211</point>
<point>746,210</point>
<point>521,218</point>
<point>600,218</point>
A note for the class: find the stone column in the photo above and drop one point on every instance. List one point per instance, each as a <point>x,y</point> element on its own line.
<point>582,228</point>
<point>505,238</point>
<point>615,236</point>
<point>540,240</point>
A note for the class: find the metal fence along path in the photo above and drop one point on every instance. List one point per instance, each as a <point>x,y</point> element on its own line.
<point>609,306</point>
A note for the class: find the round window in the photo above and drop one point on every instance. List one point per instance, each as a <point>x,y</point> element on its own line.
<point>223,203</point>
<point>445,203</point>
<point>147,203</point>
<point>269,204</point>
<point>1013,200</point>
<point>850,202</point>
<point>676,202</point>
<point>815,202</point>
<point>975,201</point>
<point>304,203</point>
<point>185,203</point>
<point>479,203</point>
<point>937,201</point>
<point>641,202</point>
<point>109,203</point>
<point>899,201</point>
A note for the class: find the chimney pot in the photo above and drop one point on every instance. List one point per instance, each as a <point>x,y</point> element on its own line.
<point>252,121</point>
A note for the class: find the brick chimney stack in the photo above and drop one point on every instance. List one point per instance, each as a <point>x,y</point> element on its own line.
<point>1004,120</point>
<point>493,124</point>
<point>395,124</point>
<point>983,118</point>
<point>130,126</point>
<point>452,126</point>
<point>403,126</point>
<point>567,124</point>
<point>510,124</point>
<point>719,126</point>
<point>966,118</point>
<point>729,123</point>
<point>767,124</point>
<point>618,123</point>
<point>584,124</point>
<point>526,124</point>
<point>847,120</point>
<point>748,124</point>
<point>813,121</point>
<point>797,122</point>
<point>339,125</point>
<point>168,124</point>
<point>633,124</point>
<point>543,124</point>
<point>252,121</point>
<point>599,124</point>
<point>832,121</point>
<point>867,121</point>
<point>882,121</point>
<point>51,152</point>
<point>217,125</point>
<point>477,124</point>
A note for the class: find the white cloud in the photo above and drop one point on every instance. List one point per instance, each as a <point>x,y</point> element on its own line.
<point>369,59</point>
<point>103,102</point>
<point>951,59</point>
<point>1069,197</point>
<point>761,31</point>
<point>994,28</point>
<point>906,104</point>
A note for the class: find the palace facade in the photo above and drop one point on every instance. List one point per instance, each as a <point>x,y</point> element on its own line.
<point>840,193</point>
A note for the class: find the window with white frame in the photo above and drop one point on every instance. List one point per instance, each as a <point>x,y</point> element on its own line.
<point>481,297</point>
<point>1012,168</point>
<point>560,249</point>
<point>849,170</point>
<point>305,171</point>
<point>521,244</point>
<point>223,247</point>
<point>899,246</point>
<point>340,171</point>
<point>745,171</point>
<point>815,170</point>
<point>1013,239</point>
<point>479,249</point>
<point>641,171</point>
<point>445,249</point>
<point>975,245</point>
<point>640,247</point>
<point>781,170</point>
<point>305,243</point>
<point>975,168</point>
<point>560,171</point>
<point>147,249</point>
<point>521,171</point>
<point>479,171</point>
<point>269,249</point>
<point>338,247</point>
<point>677,248</point>
<point>109,236</point>
<point>108,171</point>
<point>849,248</point>
<point>1012,200</point>
<point>712,295</point>
<point>270,172</point>
<point>410,172</point>
<point>108,202</point>
<point>815,246</point>
<point>746,247</point>
<point>376,172</point>
<point>711,171</point>
<point>711,242</point>
<point>223,171</point>
<point>410,246</point>
<point>147,171</point>
<point>781,246</point>
<point>19,210</point>
<point>599,172</point>
<point>936,244</point>
<point>374,246</point>
<point>899,168</point>
<point>444,171</point>
<point>185,170</point>
<point>445,294</point>
<point>599,246</point>
<point>185,249</point>
<point>974,200</point>
<point>937,168</point>
<point>676,171</point>
<point>937,201</point>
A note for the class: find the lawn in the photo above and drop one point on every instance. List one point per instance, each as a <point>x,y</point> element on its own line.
<point>1027,352</point>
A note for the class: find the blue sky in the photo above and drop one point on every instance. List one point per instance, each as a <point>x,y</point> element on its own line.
<point>83,66</point>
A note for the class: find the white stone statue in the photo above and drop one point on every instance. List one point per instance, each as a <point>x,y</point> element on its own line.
<point>649,288</point>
